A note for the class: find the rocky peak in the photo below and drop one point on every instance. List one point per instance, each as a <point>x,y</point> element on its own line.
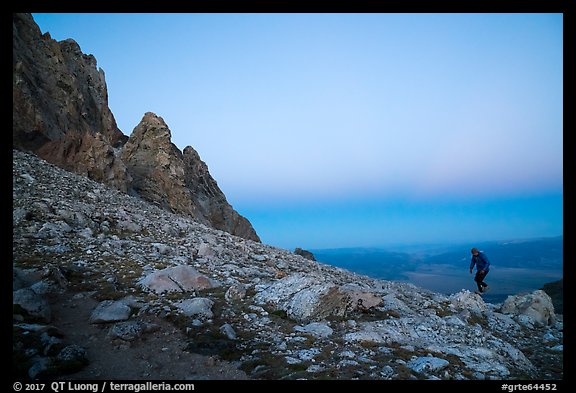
<point>60,105</point>
<point>152,128</point>
<point>305,253</point>
<point>57,89</point>
<point>156,165</point>
<point>61,113</point>
<point>177,181</point>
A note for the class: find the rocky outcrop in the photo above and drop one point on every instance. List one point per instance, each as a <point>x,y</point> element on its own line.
<point>305,253</point>
<point>210,201</point>
<point>61,113</point>
<point>179,182</point>
<point>60,105</point>
<point>157,167</point>
<point>533,308</point>
<point>305,298</point>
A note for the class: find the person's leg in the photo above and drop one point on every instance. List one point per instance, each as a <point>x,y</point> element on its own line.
<point>478,279</point>
<point>482,280</point>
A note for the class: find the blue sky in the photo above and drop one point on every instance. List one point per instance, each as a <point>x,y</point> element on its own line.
<point>337,130</point>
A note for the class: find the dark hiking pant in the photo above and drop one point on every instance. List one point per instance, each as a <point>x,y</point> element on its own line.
<point>480,280</point>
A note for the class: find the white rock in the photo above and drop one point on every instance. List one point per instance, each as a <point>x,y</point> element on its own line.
<point>292,360</point>
<point>198,307</point>
<point>235,293</point>
<point>466,300</point>
<point>425,364</point>
<point>536,305</point>
<point>304,297</point>
<point>228,330</point>
<point>110,311</point>
<point>317,329</point>
<point>177,279</point>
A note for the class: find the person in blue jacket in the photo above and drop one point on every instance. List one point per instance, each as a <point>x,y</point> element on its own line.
<point>482,267</point>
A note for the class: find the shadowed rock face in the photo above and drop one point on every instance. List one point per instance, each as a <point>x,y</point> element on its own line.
<point>156,165</point>
<point>210,201</point>
<point>60,99</point>
<point>178,181</point>
<point>61,113</point>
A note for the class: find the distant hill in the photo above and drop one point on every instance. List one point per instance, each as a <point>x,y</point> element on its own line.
<point>538,253</point>
<point>373,262</point>
<point>517,265</point>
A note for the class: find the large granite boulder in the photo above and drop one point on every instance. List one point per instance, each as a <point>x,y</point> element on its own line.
<point>536,306</point>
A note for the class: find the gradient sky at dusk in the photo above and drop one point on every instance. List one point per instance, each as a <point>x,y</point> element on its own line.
<point>337,130</point>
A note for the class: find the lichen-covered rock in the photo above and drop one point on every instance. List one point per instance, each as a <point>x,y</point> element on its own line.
<point>536,306</point>
<point>179,278</point>
<point>426,364</point>
<point>130,330</point>
<point>318,329</point>
<point>305,298</point>
<point>236,292</point>
<point>71,359</point>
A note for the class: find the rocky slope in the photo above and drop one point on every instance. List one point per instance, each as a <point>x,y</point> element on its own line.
<point>61,113</point>
<point>99,273</point>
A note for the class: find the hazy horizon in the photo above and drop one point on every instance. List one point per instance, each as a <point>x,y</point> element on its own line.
<point>338,130</point>
<point>517,266</point>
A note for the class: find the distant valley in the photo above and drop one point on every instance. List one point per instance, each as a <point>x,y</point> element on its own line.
<point>517,265</point>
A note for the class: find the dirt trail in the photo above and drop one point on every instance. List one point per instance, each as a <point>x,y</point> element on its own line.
<point>154,356</point>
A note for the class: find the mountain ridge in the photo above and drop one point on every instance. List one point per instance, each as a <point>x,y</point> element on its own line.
<point>60,112</point>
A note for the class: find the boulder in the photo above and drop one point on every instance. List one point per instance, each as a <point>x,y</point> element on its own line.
<point>32,303</point>
<point>317,329</point>
<point>425,364</point>
<point>110,311</point>
<point>198,307</point>
<point>536,306</point>
<point>236,292</point>
<point>130,330</point>
<point>71,359</point>
<point>228,331</point>
<point>360,298</point>
<point>305,298</point>
<point>179,278</point>
<point>466,300</point>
